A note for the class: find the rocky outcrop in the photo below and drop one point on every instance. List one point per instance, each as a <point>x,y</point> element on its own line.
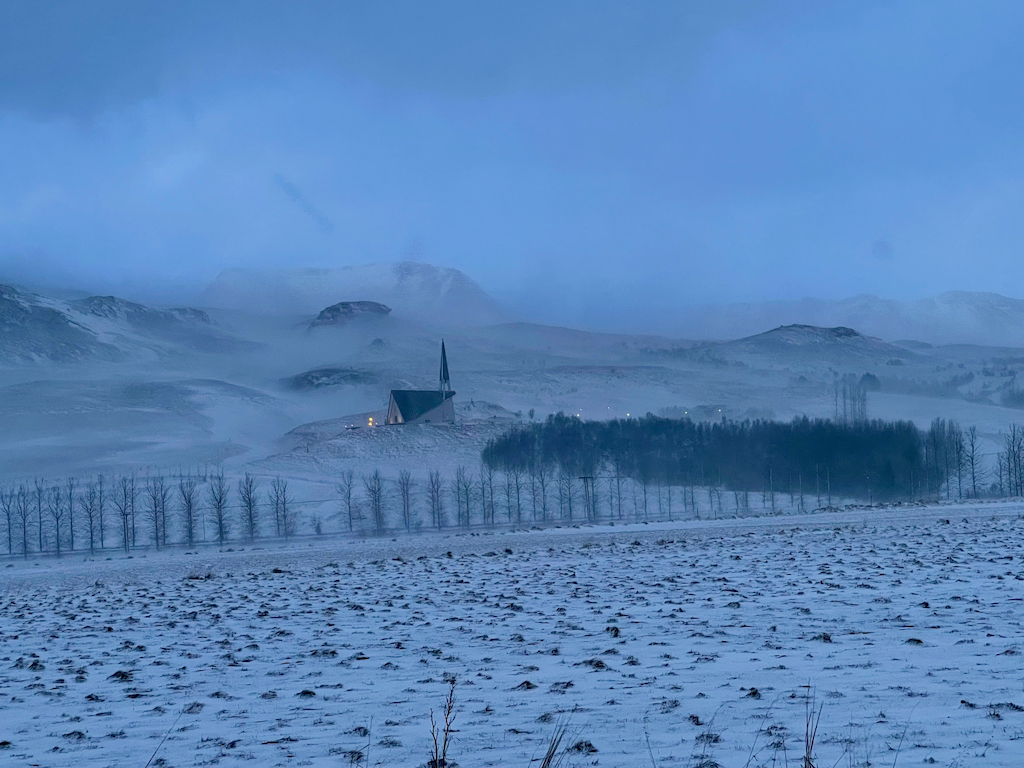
<point>323,378</point>
<point>345,311</point>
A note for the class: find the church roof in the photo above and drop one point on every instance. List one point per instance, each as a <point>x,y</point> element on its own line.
<point>413,403</point>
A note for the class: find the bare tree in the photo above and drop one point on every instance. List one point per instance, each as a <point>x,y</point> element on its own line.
<point>516,474</point>
<point>972,459</point>
<point>8,504</point>
<point>568,491</point>
<point>133,499</point>
<point>543,480</point>
<point>435,493</point>
<point>1011,462</point>
<point>487,492</point>
<point>188,504</point>
<point>463,487</point>
<point>456,491</point>
<point>275,505</point>
<point>346,486</point>
<point>509,493</point>
<point>249,497</point>
<point>281,500</point>
<point>467,495</point>
<point>157,496</point>
<point>373,485</point>
<point>23,516</point>
<point>56,509</point>
<point>69,495</point>
<point>87,503</point>
<point>217,494</point>
<point>122,503</point>
<point>101,503</point>
<point>40,499</point>
<point>958,454</point>
<point>405,496</point>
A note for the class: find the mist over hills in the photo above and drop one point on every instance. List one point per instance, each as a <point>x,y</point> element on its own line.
<point>61,327</point>
<point>441,296</point>
<point>957,317</point>
<point>436,295</point>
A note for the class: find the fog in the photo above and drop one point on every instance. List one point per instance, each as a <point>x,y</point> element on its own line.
<point>584,163</point>
<point>511,383</point>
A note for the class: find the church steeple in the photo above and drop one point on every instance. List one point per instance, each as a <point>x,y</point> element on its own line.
<point>446,385</point>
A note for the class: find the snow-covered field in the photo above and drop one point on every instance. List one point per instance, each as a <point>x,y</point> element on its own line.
<point>676,644</point>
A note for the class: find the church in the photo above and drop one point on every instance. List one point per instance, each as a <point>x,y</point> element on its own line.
<point>424,406</point>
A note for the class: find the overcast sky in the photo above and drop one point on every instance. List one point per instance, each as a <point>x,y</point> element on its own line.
<point>612,155</point>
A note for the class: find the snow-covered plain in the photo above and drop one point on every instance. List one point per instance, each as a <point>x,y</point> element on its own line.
<point>670,644</point>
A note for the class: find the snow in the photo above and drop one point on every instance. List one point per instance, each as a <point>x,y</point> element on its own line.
<point>904,624</point>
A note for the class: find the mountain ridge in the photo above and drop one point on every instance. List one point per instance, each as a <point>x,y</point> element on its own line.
<point>418,291</point>
<point>35,328</point>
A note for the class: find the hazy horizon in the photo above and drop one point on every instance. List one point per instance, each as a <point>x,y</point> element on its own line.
<point>582,162</point>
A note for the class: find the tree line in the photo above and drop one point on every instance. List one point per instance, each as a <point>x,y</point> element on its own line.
<point>130,511</point>
<point>851,457</point>
<point>561,470</point>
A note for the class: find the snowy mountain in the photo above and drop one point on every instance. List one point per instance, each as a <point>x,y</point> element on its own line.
<point>34,327</point>
<point>435,295</point>
<point>958,317</point>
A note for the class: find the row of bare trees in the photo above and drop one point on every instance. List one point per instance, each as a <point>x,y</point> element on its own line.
<point>957,466</point>
<point>1010,463</point>
<point>132,511</point>
<point>377,504</point>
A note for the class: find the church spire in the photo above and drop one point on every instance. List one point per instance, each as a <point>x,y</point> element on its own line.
<point>445,381</point>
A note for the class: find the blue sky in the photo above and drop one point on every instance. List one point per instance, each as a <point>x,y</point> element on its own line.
<point>580,160</point>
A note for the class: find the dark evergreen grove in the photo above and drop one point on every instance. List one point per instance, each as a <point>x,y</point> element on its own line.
<point>877,459</point>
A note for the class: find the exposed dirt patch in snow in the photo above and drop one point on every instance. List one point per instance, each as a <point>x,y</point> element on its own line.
<point>704,639</point>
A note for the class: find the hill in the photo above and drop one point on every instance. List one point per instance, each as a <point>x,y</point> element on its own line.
<point>957,317</point>
<point>814,345</point>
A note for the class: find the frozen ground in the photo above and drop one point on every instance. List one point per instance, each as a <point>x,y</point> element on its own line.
<point>703,638</point>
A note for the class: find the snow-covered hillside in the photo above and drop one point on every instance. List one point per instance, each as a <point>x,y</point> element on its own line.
<point>810,344</point>
<point>440,296</point>
<point>37,328</point>
<point>958,317</point>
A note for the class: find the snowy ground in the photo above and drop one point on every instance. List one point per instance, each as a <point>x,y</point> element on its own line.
<point>703,639</point>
